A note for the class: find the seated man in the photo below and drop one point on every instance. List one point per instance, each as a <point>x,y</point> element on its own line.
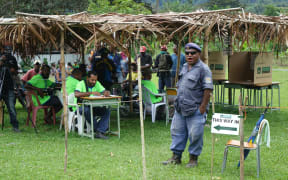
<point>73,80</point>
<point>147,83</point>
<point>92,87</point>
<point>147,75</point>
<point>40,83</point>
<point>71,83</point>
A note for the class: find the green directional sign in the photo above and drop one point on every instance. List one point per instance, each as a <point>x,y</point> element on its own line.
<point>225,128</point>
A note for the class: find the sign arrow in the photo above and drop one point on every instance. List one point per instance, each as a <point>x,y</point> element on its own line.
<point>225,128</point>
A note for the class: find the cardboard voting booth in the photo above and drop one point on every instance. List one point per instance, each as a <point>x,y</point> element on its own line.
<point>218,65</point>
<point>250,67</point>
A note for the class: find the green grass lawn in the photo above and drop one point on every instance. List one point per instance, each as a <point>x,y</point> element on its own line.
<point>41,156</point>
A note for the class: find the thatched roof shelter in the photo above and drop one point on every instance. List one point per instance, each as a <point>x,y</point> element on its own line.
<point>31,33</point>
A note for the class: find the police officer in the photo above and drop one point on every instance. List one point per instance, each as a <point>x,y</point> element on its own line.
<point>191,105</point>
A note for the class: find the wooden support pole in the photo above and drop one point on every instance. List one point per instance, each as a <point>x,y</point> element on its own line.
<point>141,118</point>
<point>205,48</point>
<point>213,138</point>
<point>241,138</point>
<point>82,53</point>
<point>64,98</point>
<point>178,61</point>
<point>130,80</point>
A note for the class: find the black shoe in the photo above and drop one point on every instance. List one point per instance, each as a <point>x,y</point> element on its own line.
<point>16,130</point>
<point>100,135</point>
<point>175,159</point>
<point>193,162</point>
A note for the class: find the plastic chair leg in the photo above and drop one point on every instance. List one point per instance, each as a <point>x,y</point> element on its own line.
<point>224,159</point>
<point>28,118</point>
<point>153,113</point>
<point>34,116</point>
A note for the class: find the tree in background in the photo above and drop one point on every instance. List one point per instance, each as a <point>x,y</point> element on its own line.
<point>119,6</point>
<point>177,6</point>
<point>271,10</point>
<point>222,4</point>
<point>8,8</point>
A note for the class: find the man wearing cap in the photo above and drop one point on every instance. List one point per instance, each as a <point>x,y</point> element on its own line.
<point>191,106</point>
<point>164,64</point>
<point>145,59</point>
<point>32,72</point>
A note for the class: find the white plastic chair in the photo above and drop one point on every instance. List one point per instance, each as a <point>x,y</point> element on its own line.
<point>72,116</point>
<point>147,102</point>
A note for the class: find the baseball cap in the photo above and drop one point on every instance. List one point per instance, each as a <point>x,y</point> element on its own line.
<point>37,62</point>
<point>142,49</point>
<point>163,48</point>
<point>192,46</point>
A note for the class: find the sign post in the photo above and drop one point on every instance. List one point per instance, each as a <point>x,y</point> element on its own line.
<point>225,124</point>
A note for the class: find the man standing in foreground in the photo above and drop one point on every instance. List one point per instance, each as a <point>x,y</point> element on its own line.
<point>92,87</point>
<point>194,87</point>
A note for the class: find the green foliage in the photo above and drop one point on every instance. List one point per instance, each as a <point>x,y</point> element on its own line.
<point>26,64</point>
<point>45,61</point>
<point>222,4</point>
<point>8,8</point>
<point>271,10</point>
<point>119,6</point>
<point>177,6</point>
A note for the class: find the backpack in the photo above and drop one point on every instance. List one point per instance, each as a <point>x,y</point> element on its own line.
<point>163,62</point>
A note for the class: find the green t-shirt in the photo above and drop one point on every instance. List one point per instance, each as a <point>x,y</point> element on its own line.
<point>71,84</point>
<point>81,87</point>
<point>39,82</point>
<point>151,86</point>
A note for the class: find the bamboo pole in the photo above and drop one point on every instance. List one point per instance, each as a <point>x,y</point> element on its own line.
<point>141,118</point>
<point>213,138</point>
<point>241,139</point>
<point>205,47</point>
<point>130,78</point>
<point>64,98</point>
<point>178,62</point>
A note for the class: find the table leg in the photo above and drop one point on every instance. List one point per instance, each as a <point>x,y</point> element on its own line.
<point>271,98</point>
<point>279,96</point>
<point>92,122</point>
<point>118,118</point>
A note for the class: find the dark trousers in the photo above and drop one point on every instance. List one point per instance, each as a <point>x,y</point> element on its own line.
<point>9,99</point>
<point>55,102</point>
<point>103,124</point>
<point>164,80</point>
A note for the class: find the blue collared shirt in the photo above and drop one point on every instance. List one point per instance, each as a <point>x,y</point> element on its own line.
<point>175,60</point>
<point>191,86</point>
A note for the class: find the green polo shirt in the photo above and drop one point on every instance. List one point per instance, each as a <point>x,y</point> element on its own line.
<point>39,82</point>
<point>71,84</point>
<point>151,86</point>
<point>81,87</point>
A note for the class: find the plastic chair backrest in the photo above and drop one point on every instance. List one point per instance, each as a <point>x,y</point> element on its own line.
<point>71,98</point>
<point>146,95</point>
<point>261,129</point>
